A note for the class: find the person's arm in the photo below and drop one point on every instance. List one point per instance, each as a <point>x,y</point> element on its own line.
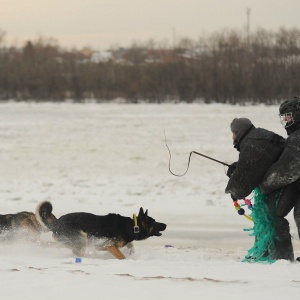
<point>239,184</point>
<point>285,171</point>
<point>255,159</point>
<point>231,169</point>
<point>244,178</point>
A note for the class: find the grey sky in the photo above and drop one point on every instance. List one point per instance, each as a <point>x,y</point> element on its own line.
<point>103,23</point>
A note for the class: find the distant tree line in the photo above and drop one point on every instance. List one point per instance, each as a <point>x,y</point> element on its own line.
<point>224,67</point>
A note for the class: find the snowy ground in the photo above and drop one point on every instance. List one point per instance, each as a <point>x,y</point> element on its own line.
<point>113,158</point>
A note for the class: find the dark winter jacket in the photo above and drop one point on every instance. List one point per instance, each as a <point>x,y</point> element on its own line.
<point>287,169</point>
<point>259,149</point>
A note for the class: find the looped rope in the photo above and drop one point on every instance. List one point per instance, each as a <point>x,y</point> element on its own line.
<point>218,161</point>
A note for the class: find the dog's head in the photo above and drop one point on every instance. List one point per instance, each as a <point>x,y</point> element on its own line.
<point>148,226</point>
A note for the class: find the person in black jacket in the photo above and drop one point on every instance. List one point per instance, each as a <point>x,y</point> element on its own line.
<point>284,174</point>
<point>259,150</point>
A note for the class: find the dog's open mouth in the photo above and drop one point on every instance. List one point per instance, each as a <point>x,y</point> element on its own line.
<point>159,227</point>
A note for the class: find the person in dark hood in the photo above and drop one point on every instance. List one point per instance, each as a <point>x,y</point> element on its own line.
<point>259,149</point>
<point>284,174</point>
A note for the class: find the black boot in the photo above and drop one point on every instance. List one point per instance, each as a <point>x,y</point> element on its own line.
<point>283,241</point>
<point>284,250</point>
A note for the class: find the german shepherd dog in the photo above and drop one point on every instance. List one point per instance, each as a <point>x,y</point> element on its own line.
<point>109,232</point>
<point>22,225</point>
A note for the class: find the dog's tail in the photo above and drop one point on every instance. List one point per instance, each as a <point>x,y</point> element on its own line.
<point>44,215</point>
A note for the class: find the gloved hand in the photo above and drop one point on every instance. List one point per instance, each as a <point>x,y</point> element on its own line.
<point>231,169</point>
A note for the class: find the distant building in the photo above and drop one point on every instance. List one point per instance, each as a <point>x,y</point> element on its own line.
<point>102,56</point>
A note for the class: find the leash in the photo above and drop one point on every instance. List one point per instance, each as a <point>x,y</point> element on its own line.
<point>240,210</point>
<point>200,154</point>
<point>136,228</point>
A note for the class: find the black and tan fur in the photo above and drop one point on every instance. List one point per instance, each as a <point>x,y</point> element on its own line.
<point>109,232</point>
<point>22,225</point>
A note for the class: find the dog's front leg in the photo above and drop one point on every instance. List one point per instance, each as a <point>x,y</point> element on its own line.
<point>130,246</point>
<point>115,251</point>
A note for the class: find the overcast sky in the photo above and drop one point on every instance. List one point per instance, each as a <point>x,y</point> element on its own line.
<point>103,23</point>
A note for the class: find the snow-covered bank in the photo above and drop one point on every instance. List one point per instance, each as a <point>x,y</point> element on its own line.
<point>113,158</point>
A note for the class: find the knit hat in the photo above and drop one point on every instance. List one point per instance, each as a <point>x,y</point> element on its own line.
<point>240,126</point>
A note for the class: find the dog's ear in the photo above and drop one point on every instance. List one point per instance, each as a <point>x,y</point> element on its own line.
<point>141,212</point>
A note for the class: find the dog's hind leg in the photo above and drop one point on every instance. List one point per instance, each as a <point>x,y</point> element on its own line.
<point>80,244</point>
<point>115,251</point>
<point>75,240</point>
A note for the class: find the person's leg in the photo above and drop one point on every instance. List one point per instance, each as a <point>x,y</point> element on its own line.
<point>280,203</point>
<point>297,214</point>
